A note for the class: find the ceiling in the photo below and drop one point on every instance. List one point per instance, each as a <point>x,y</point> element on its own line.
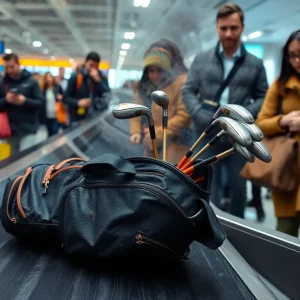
<point>71,28</point>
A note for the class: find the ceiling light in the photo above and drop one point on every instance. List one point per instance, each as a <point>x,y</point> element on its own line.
<point>37,44</point>
<point>244,38</point>
<point>129,35</point>
<point>8,51</point>
<point>255,35</point>
<point>46,51</point>
<point>123,52</point>
<point>52,57</point>
<point>125,46</point>
<point>142,3</point>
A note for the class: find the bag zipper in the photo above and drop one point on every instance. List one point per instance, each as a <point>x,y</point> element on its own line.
<point>54,170</point>
<point>19,204</point>
<point>162,194</point>
<point>141,238</point>
<point>46,181</point>
<point>153,172</point>
<point>13,220</point>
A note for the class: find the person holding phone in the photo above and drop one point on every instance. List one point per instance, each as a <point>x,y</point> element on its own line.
<point>21,97</point>
<point>85,88</point>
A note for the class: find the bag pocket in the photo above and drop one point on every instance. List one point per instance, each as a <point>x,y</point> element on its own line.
<point>30,202</point>
<point>103,219</point>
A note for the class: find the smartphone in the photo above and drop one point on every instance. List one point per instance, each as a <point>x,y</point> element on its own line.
<point>14,90</point>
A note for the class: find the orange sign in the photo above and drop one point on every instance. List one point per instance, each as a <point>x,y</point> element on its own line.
<point>104,65</point>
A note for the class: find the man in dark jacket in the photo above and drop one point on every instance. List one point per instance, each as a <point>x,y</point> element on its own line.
<point>21,97</point>
<point>247,88</point>
<point>86,89</point>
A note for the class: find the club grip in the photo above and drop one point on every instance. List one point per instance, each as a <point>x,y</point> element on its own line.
<point>214,139</point>
<point>152,132</point>
<point>165,122</point>
<point>202,164</point>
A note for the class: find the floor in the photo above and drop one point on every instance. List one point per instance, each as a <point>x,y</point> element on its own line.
<point>250,214</point>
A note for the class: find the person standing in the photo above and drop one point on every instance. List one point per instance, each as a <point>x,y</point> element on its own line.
<point>286,87</point>
<point>21,97</point>
<point>86,89</point>
<point>205,91</point>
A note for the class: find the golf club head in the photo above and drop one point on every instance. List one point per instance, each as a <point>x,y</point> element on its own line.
<point>244,153</point>
<point>160,98</point>
<point>234,130</point>
<point>255,132</point>
<point>260,151</point>
<point>235,112</point>
<point>130,110</point>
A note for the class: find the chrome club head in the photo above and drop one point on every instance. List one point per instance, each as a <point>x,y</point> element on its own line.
<point>235,112</point>
<point>260,151</point>
<point>234,130</point>
<point>160,98</point>
<point>130,110</point>
<point>244,153</point>
<point>255,132</point>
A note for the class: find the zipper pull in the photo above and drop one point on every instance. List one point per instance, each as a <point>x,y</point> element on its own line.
<point>46,184</point>
<point>139,239</point>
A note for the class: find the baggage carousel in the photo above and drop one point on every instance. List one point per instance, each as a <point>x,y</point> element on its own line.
<point>253,263</point>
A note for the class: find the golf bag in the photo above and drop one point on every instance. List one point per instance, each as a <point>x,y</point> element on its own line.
<point>111,206</point>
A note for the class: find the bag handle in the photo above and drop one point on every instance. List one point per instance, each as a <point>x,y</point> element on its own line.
<point>77,159</point>
<point>108,163</point>
<point>231,74</point>
<point>207,229</point>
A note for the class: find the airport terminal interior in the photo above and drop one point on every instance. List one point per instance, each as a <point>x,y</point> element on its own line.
<point>193,102</point>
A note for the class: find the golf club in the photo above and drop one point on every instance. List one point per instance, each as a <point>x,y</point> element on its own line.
<point>233,111</point>
<point>242,151</point>
<point>255,132</point>
<point>162,100</point>
<point>260,151</point>
<point>129,110</point>
<point>233,129</point>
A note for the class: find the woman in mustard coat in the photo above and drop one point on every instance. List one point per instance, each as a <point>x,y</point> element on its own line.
<point>163,70</point>
<point>287,205</point>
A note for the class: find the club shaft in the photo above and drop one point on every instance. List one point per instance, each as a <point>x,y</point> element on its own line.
<point>155,153</point>
<point>202,136</point>
<point>165,144</point>
<point>208,145</point>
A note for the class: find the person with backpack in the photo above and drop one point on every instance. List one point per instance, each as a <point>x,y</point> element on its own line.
<point>86,89</point>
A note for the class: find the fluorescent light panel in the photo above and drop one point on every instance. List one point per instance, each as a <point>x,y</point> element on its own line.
<point>129,35</point>
<point>123,52</point>
<point>37,44</point>
<point>125,46</point>
<point>255,35</point>
<point>141,3</point>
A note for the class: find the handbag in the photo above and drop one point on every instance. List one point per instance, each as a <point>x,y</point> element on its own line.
<point>5,129</point>
<point>281,174</point>
<point>111,206</point>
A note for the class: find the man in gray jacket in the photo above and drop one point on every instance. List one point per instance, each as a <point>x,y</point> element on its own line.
<point>247,88</point>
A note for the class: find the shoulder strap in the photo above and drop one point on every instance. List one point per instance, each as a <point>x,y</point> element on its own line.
<point>280,100</point>
<point>79,80</point>
<point>225,83</point>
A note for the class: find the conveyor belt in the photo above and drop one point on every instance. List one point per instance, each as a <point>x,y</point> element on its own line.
<point>33,273</point>
<point>27,272</point>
